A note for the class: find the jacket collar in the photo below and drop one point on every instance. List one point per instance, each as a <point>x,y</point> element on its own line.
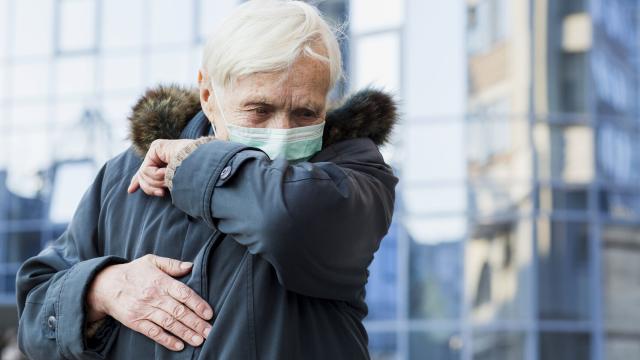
<point>171,112</point>
<point>198,126</point>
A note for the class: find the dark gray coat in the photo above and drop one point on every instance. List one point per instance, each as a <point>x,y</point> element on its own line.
<point>280,251</point>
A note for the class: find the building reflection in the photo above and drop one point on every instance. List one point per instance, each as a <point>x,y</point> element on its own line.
<point>554,143</point>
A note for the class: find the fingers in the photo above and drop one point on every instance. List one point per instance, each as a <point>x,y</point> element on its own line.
<point>172,267</point>
<point>176,327</point>
<point>134,184</point>
<point>155,333</point>
<point>196,307</point>
<point>149,185</point>
<point>186,317</point>
<point>156,154</point>
<point>187,296</point>
<point>150,175</point>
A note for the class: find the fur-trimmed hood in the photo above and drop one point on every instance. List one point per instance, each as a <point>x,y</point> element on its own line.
<point>163,111</point>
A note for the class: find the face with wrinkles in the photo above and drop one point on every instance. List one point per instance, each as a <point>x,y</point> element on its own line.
<point>286,99</point>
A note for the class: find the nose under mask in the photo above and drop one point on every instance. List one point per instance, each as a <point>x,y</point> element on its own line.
<point>295,145</point>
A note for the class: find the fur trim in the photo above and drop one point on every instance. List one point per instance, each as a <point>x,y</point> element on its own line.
<point>368,113</point>
<point>162,112</point>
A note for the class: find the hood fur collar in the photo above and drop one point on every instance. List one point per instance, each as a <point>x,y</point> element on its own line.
<point>163,111</point>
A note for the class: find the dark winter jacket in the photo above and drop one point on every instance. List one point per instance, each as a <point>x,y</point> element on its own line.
<point>280,251</point>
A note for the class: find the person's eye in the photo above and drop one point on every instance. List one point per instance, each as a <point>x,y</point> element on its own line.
<point>261,110</point>
<point>306,113</point>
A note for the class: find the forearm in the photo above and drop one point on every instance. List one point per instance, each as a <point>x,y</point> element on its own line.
<point>318,224</point>
<point>53,304</point>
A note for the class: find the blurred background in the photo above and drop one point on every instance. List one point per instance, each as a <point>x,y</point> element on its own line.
<point>517,223</point>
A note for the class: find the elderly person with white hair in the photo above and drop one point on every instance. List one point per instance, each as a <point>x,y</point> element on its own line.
<point>241,222</point>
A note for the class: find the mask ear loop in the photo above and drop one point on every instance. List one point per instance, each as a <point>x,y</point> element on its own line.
<point>224,120</point>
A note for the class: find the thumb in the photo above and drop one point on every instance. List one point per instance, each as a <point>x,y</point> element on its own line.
<point>172,267</point>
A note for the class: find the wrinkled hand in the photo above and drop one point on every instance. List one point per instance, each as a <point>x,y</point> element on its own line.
<point>143,296</point>
<point>150,175</point>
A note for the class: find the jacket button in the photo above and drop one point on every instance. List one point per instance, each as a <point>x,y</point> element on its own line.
<point>51,321</point>
<point>225,172</point>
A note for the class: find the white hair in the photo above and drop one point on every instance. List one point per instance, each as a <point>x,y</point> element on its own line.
<point>268,36</point>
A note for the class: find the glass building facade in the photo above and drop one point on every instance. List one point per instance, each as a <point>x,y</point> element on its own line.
<point>517,224</point>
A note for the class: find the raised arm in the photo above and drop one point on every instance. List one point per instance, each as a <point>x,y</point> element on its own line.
<point>318,223</point>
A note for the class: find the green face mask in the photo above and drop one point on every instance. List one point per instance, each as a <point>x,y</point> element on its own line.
<point>297,144</point>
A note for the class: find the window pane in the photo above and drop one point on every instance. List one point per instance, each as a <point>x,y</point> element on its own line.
<point>211,13</point>
<point>68,113</point>
<point>435,275</point>
<point>378,61</point>
<point>382,287</point>
<point>70,181</point>
<point>383,346</point>
<point>30,79</point>
<point>75,76</point>
<point>116,110</point>
<point>5,31</point>
<point>432,230</point>
<point>618,152</point>
<point>563,278</point>
<point>489,132</point>
<point>621,346</point>
<point>487,24</point>
<point>491,197</point>
<point>118,12</point>
<point>621,271</point>
<point>620,204</point>
<point>196,62</point>
<point>436,198</point>
<point>441,166</point>
<point>4,93</point>
<point>565,346</point>
<point>77,25</point>
<point>498,346</point>
<point>169,67</point>
<point>434,345</point>
<point>4,160</point>
<point>497,270</point>
<point>26,115</point>
<point>120,139</point>
<point>22,245</point>
<point>368,15</point>
<point>171,22</point>
<point>565,152</point>
<point>574,198</point>
<point>25,208</point>
<point>121,73</point>
<point>33,29</point>
<point>573,88</point>
<point>25,172</point>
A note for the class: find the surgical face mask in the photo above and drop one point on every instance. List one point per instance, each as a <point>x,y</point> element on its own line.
<point>297,144</point>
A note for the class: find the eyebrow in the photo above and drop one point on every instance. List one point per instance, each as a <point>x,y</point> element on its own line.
<point>264,101</point>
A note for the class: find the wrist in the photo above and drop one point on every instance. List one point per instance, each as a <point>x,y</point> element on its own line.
<point>183,152</point>
<point>97,296</point>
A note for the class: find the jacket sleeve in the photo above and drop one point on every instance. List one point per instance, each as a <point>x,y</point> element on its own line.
<point>317,223</point>
<point>51,288</point>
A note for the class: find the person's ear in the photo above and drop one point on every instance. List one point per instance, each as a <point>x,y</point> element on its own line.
<point>209,105</point>
<point>205,94</point>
